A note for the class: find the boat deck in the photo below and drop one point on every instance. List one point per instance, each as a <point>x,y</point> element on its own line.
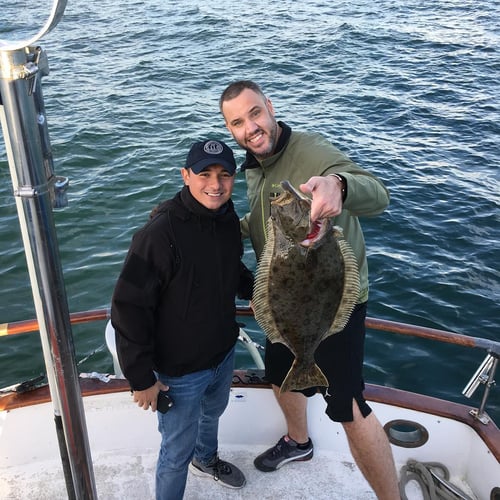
<point>124,443</point>
<point>120,477</point>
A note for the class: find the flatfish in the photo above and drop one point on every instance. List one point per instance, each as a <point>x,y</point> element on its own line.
<point>306,284</point>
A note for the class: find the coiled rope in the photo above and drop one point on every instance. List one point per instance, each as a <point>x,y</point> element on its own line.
<point>433,480</point>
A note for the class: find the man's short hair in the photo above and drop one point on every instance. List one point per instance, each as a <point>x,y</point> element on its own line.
<point>234,89</point>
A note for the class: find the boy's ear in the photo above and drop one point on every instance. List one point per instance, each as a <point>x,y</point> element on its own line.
<point>185,175</point>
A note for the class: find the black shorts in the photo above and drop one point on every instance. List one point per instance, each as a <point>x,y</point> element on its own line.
<point>340,357</point>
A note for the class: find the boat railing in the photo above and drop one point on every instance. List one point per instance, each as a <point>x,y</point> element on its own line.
<point>484,375</point>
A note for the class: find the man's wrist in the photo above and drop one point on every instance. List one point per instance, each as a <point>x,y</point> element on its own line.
<point>343,185</point>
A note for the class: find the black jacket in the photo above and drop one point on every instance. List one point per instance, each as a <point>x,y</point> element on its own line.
<point>173,307</point>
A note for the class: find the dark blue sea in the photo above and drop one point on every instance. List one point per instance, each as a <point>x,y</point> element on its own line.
<point>408,89</point>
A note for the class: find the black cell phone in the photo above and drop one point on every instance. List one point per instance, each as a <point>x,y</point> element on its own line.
<point>164,402</point>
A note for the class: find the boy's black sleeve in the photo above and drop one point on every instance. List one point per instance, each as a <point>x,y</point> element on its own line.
<point>245,287</point>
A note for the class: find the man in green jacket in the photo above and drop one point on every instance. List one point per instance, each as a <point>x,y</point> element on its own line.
<point>340,190</point>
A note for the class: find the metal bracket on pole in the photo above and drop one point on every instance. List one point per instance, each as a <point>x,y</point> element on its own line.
<point>485,375</point>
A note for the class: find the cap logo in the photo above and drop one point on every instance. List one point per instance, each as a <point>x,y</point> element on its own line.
<point>213,148</point>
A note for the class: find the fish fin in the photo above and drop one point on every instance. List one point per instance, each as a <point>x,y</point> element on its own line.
<point>261,302</point>
<point>302,376</point>
<point>350,292</point>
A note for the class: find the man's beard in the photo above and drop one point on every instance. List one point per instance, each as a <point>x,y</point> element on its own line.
<point>273,135</point>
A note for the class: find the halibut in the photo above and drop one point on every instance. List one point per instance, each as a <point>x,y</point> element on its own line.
<point>306,284</point>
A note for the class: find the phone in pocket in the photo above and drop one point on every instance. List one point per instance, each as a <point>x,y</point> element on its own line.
<point>164,402</point>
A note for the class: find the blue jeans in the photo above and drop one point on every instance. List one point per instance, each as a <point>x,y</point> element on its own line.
<point>190,428</point>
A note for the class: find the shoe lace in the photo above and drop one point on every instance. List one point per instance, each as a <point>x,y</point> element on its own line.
<point>276,451</point>
<point>220,468</point>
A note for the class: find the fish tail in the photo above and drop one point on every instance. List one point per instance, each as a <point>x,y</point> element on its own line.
<point>301,376</point>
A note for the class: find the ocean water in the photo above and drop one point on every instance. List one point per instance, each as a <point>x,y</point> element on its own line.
<point>408,89</point>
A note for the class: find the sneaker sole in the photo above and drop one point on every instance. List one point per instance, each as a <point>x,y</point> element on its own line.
<point>199,473</point>
<point>302,458</point>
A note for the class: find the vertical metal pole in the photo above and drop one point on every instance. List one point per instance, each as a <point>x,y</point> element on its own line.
<point>24,128</point>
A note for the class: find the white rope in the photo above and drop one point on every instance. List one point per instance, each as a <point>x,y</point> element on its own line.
<point>433,480</point>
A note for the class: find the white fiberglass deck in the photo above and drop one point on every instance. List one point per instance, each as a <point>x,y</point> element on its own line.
<point>124,443</point>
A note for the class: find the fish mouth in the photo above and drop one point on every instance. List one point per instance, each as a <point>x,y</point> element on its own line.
<point>317,229</point>
<point>316,232</point>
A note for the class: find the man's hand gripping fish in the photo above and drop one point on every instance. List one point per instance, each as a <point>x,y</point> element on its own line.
<point>306,286</point>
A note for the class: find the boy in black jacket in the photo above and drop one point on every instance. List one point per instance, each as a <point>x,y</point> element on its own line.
<point>173,310</point>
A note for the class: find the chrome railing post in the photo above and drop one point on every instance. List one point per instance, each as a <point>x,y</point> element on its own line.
<point>25,131</point>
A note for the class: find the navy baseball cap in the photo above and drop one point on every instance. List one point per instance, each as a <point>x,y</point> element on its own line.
<point>206,153</point>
